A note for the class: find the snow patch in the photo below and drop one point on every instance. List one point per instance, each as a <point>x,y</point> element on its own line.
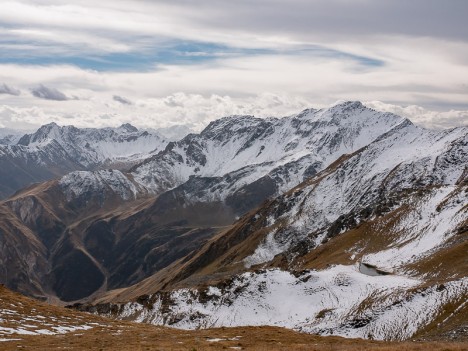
<point>79,183</point>
<point>266,251</point>
<point>316,301</point>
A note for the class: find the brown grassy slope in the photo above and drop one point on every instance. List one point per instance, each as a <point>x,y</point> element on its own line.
<point>118,335</point>
<point>448,262</point>
<point>21,268</point>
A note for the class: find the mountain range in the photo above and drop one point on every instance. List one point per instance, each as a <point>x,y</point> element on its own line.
<point>343,221</point>
<point>53,151</point>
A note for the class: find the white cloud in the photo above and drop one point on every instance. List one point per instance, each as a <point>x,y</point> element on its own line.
<point>422,59</point>
<point>70,40</point>
<point>191,109</point>
<point>424,117</point>
<point>406,79</point>
<point>122,100</point>
<point>196,111</point>
<point>356,26</point>
<point>263,23</point>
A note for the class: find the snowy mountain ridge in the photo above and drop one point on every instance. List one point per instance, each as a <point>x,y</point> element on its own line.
<point>10,136</point>
<point>397,205</point>
<point>94,147</point>
<point>81,184</point>
<point>236,152</point>
<point>53,151</point>
<point>246,149</point>
<point>408,157</point>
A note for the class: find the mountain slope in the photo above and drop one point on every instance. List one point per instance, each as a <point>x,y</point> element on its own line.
<point>376,203</point>
<point>381,225</point>
<point>76,215</point>
<point>32,325</point>
<point>98,147</point>
<point>92,231</point>
<point>9,136</point>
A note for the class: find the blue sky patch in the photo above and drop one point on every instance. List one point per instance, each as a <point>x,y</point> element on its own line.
<point>148,58</point>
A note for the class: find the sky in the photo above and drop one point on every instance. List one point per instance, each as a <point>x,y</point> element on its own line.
<point>162,63</point>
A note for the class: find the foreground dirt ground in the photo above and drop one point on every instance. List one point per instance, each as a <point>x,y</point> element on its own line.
<point>27,324</point>
<point>142,337</point>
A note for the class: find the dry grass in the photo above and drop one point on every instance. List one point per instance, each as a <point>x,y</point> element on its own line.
<point>145,337</point>
<point>118,335</point>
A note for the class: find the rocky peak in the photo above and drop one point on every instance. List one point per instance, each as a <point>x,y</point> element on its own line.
<point>127,127</point>
<point>306,113</point>
<point>47,131</point>
<point>227,126</point>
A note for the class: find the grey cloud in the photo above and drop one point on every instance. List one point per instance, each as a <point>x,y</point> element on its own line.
<point>5,89</point>
<point>47,93</point>
<point>434,18</point>
<point>122,100</point>
<point>297,20</point>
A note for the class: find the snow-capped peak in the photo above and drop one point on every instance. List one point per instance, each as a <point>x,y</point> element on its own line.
<point>282,148</point>
<point>127,127</point>
<point>92,147</point>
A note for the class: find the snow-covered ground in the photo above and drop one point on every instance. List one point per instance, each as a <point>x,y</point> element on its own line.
<point>34,323</point>
<point>408,158</point>
<point>336,301</point>
<point>82,183</point>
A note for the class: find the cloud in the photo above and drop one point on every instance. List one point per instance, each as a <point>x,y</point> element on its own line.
<point>211,58</point>
<point>197,111</point>
<point>5,89</point>
<point>191,93</point>
<point>47,93</point>
<point>134,23</point>
<point>87,31</point>
<point>424,117</point>
<point>121,99</point>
